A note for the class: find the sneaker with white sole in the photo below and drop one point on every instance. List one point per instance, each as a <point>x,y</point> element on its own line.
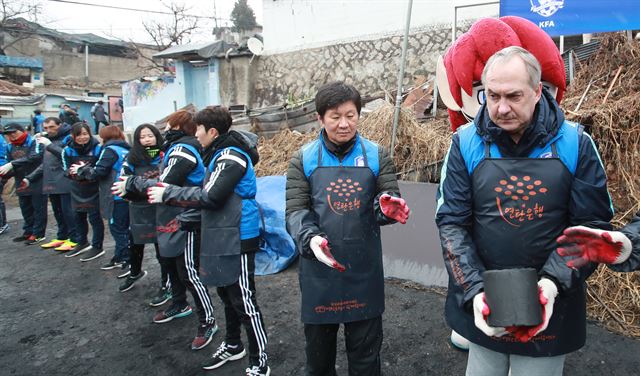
<point>130,281</point>
<point>225,353</point>
<point>112,265</point>
<point>4,228</point>
<point>78,250</point>
<point>125,271</point>
<point>258,371</point>
<point>92,254</point>
<point>171,313</point>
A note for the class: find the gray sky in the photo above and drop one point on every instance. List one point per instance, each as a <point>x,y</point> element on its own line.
<point>127,25</point>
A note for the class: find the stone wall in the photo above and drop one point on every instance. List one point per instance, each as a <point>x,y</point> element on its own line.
<point>371,65</point>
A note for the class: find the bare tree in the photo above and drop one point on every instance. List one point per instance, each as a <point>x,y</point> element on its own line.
<point>164,34</point>
<point>10,10</point>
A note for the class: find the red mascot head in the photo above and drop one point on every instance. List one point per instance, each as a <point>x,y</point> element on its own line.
<point>459,74</point>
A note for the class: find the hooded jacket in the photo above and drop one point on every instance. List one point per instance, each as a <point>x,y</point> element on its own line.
<point>589,204</point>
<point>25,159</point>
<point>229,160</point>
<point>84,192</point>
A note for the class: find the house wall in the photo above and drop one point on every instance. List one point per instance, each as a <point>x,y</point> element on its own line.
<point>147,102</point>
<point>290,25</point>
<point>341,40</point>
<point>371,65</point>
<point>236,75</point>
<point>66,62</point>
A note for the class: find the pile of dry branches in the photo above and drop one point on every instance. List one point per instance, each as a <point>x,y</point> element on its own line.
<point>605,97</point>
<point>418,148</point>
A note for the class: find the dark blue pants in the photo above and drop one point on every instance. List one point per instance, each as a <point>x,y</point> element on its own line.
<point>82,227</point>
<point>61,205</point>
<point>119,227</point>
<point>3,209</point>
<point>34,213</point>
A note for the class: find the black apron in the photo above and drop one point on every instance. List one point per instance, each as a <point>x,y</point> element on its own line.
<point>85,195</point>
<point>343,201</point>
<point>520,206</point>
<point>142,215</point>
<point>53,179</point>
<point>22,151</point>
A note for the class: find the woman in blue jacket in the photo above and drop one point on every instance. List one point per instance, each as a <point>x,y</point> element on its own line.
<point>113,208</point>
<point>84,149</point>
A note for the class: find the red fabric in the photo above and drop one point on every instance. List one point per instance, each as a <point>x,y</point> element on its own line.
<point>20,140</point>
<point>327,252</point>
<point>526,333</point>
<point>467,56</point>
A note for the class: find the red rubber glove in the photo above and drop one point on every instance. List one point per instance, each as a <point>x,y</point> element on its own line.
<point>547,295</point>
<point>592,245</point>
<point>320,248</point>
<point>395,208</point>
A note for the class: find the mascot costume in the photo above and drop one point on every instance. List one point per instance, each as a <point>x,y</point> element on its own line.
<point>459,72</point>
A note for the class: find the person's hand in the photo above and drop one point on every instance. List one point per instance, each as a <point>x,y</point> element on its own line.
<point>395,208</point>
<point>73,170</point>
<point>547,292</point>
<point>320,248</point>
<point>5,169</point>
<point>24,184</point>
<point>154,194</point>
<point>42,140</point>
<point>119,187</point>
<point>480,313</point>
<point>592,245</point>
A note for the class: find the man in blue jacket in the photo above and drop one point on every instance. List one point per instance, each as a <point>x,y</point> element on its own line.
<point>512,181</point>
<point>54,183</point>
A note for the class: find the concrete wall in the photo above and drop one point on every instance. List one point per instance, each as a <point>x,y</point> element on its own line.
<point>290,25</point>
<point>412,251</point>
<point>146,102</point>
<point>371,65</point>
<point>67,63</point>
<point>236,75</point>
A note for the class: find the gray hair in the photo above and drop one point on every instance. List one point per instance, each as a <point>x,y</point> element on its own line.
<point>508,53</point>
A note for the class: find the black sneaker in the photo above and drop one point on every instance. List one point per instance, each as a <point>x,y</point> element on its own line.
<point>223,354</point>
<point>164,295</point>
<point>171,313</point>
<point>21,238</point>
<point>4,228</point>
<point>112,265</point>
<point>78,250</point>
<point>125,272</point>
<point>31,240</point>
<point>92,254</point>
<point>130,281</point>
<point>258,371</point>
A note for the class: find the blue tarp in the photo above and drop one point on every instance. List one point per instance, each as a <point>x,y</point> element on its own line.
<point>20,62</point>
<point>570,17</point>
<point>277,249</point>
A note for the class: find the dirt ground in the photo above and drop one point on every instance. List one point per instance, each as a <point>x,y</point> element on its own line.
<point>59,316</point>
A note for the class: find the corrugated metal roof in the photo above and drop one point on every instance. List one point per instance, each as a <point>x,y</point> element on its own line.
<point>582,52</point>
<point>205,50</point>
<point>20,62</point>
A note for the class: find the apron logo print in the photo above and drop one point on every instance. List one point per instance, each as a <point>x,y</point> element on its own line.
<point>359,162</point>
<point>172,226</point>
<point>516,206</point>
<point>341,196</point>
<point>346,305</point>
